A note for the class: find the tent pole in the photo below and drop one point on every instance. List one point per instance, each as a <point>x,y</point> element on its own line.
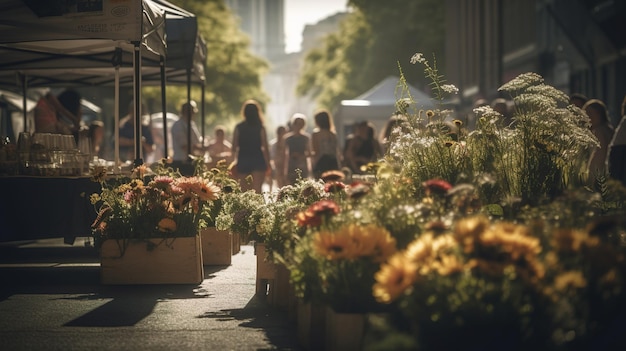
<point>116,113</point>
<point>202,122</point>
<point>137,102</point>
<point>189,101</point>
<point>164,108</point>
<point>24,107</point>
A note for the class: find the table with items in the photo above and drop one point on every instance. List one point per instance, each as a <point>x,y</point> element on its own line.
<point>45,187</point>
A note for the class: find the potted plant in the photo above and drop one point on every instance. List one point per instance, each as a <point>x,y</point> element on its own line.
<point>147,228</point>
<point>218,245</point>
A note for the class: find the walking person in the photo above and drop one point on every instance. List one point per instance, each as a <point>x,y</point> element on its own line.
<point>183,131</point>
<point>324,145</point>
<point>297,150</point>
<point>603,130</point>
<point>277,155</point>
<point>250,148</point>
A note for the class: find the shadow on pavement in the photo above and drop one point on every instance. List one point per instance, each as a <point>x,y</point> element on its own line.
<point>257,314</point>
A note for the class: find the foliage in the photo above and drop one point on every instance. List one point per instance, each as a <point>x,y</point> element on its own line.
<point>373,38</point>
<point>231,70</point>
<point>152,206</point>
<point>519,254</point>
<point>543,152</point>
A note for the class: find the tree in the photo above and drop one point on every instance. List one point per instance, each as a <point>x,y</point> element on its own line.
<point>233,73</point>
<point>373,39</point>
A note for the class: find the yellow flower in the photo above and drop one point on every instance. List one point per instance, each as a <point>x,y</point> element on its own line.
<point>167,225</point>
<point>371,240</point>
<point>570,279</point>
<point>421,249</point>
<point>468,229</point>
<point>448,264</point>
<point>334,245</point>
<point>394,278</point>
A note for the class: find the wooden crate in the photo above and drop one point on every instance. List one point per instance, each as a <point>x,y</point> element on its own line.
<point>152,261</point>
<point>216,247</point>
<point>265,269</point>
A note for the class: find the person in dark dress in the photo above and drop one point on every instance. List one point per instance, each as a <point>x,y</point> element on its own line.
<point>250,148</point>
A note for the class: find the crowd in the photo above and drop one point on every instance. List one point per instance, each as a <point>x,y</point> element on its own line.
<point>293,152</point>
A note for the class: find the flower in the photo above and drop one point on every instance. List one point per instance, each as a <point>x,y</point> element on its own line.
<point>147,205</point>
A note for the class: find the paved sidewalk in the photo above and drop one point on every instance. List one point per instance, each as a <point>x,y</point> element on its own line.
<point>51,299</point>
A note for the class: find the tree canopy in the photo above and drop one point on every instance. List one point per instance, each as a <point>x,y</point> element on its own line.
<point>233,73</point>
<point>372,40</point>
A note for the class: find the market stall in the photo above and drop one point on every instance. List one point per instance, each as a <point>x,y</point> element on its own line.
<point>104,42</point>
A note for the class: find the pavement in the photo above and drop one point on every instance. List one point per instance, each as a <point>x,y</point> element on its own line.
<point>51,299</point>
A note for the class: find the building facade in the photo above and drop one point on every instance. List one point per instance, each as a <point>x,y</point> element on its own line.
<point>578,46</point>
<point>264,22</point>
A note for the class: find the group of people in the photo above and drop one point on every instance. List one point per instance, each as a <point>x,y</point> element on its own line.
<point>609,159</point>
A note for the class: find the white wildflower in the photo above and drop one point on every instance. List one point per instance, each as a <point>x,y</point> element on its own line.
<point>450,89</point>
<point>417,58</point>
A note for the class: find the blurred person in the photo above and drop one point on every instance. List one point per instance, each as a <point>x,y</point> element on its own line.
<point>251,148</point>
<point>363,148</point>
<point>96,136</point>
<point>127,135</point>
<point>324,144</point>
<point>578,100</point>
<point>501,106</point>
<point>58,116</point>
<point>616,158</point>
<point>277,156</point>
<point>182,129</point>
<point>220,149</point>
<point>603,130</point>
<point>395,125</point>
<point>297,150</point>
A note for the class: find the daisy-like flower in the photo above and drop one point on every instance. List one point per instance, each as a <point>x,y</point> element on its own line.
<point>208,191</point>
<point>394,278</point>
<point>436,186</point>
<point>335,245</point>
<point>167,225</point>
<point>334,187</point>
<point>313,216</point>
<point>357,190</point>
<point>162,182</point>
<point>333,176</point>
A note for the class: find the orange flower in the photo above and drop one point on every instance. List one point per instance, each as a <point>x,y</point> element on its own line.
<point>167,225</point>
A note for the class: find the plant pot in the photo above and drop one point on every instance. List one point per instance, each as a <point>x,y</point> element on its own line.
<point>265,269</point>
<point>236,243</point>
<point>280,288</point>
<point>216,247</point>
<point>311,325</point>
<point>152,261</point>
<point>344,331</point>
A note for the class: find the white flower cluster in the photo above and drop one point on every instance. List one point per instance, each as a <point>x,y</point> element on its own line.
<point>417,58</point>
<point>450,88</point>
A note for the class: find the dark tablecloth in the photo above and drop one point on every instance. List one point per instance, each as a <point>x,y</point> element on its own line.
<point>46,207</point>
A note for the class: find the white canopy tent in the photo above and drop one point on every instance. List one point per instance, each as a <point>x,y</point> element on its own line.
<point>376,105</point>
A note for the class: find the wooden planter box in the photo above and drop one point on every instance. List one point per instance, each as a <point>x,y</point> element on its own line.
<point>152,261</point>
<point>236,242</point>
<point>265,269</point>
<point>311,321</point>
<point>216,247</point>
<point>344,331</point>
